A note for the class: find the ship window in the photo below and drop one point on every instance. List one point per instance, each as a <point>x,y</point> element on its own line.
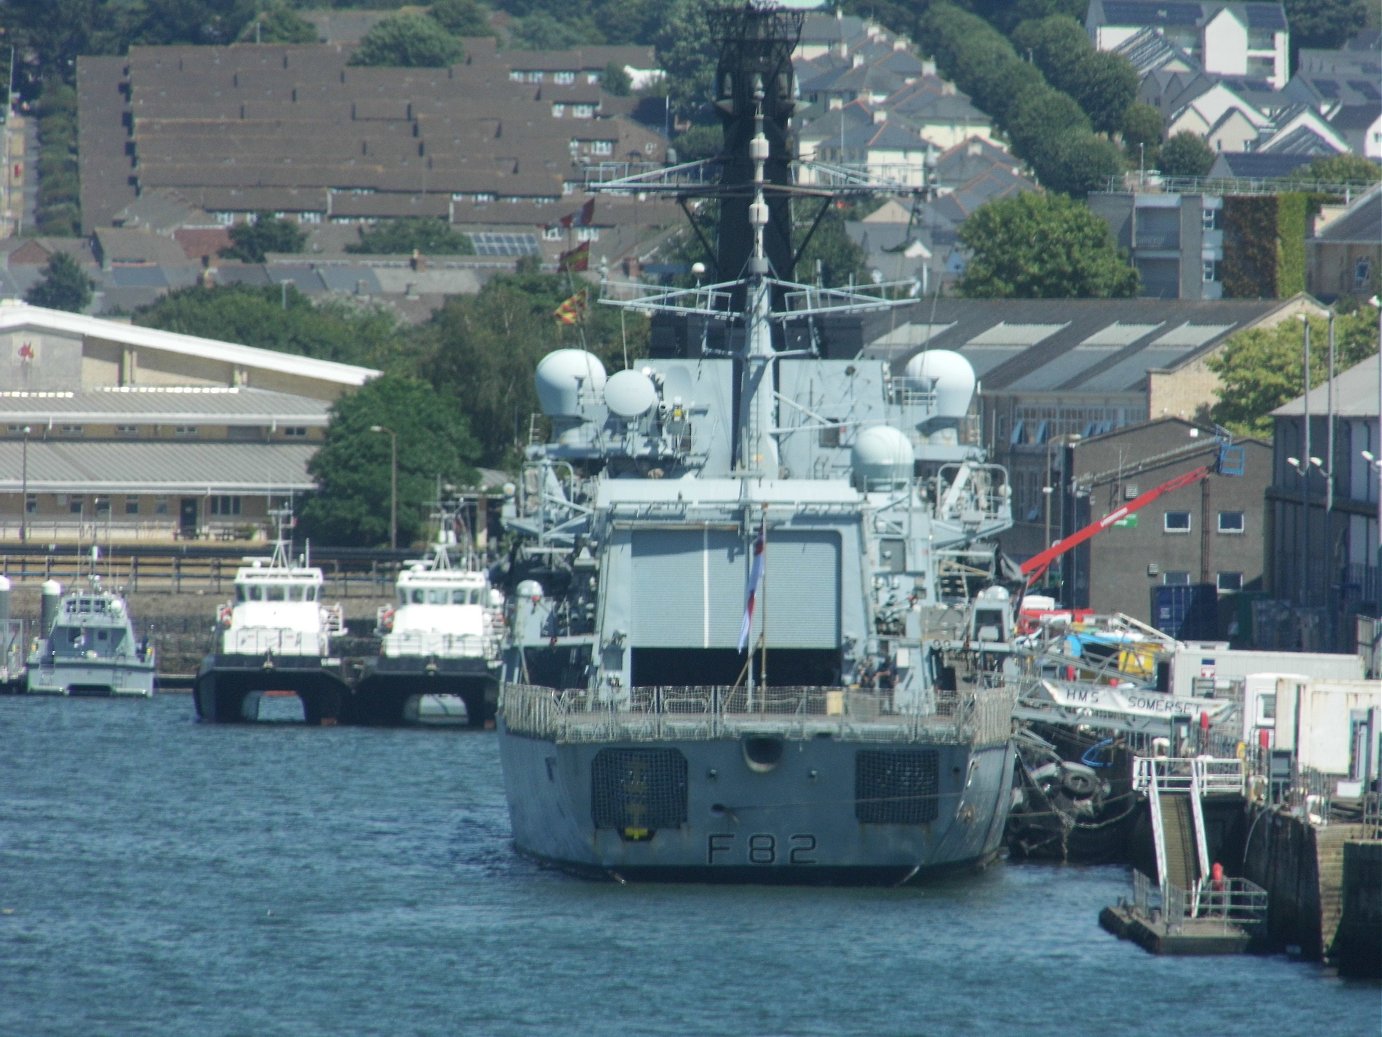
<point>436,597</point>
<point>239,593</point>
<point>256,593</point>
<point>1266,707</point>
<point>419,596</point>
<point>311,594</point>
<point>275,593</point>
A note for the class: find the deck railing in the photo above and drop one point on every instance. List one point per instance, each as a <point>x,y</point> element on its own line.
<point>703,712</point>
<point>1239,903</point>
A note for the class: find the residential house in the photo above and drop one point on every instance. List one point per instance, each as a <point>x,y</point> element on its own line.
<point>1344,257</point>
<point>1231,39</point>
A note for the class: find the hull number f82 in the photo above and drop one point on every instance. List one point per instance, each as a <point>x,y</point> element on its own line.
<point>760,848</point>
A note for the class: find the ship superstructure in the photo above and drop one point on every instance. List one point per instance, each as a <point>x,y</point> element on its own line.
<point>755,634</point>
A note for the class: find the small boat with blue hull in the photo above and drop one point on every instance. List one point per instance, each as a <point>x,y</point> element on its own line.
<point>90,647</point>
<point>438,661</point>
<point>757,630</point>
<point>274,638</point>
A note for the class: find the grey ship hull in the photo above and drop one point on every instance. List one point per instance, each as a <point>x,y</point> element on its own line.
<point>106,678</point>
<point>834,807</point>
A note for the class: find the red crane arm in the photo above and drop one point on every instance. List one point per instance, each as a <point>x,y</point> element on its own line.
<point>1033,567</point>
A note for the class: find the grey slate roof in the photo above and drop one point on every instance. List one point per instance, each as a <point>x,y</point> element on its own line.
<point>1361,223</point>
<point>75,466</point>
<point>1255,165</point>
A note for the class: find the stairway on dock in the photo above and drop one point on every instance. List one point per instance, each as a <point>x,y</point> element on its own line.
<point>1180,841</point>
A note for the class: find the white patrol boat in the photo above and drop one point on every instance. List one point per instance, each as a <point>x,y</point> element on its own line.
<point>439,652</point>
<point>274,638</point>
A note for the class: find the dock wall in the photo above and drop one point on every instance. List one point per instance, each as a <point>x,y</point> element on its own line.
<point>1301,866</point>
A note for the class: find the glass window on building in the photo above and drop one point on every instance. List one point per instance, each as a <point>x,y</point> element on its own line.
<point>1177,522</point>
<point>1231,522</point>
<point>224,505</point>
<point>160,505</point>
<point>1175,578</point>
<point>131,505</point>
<point>1227,582</point>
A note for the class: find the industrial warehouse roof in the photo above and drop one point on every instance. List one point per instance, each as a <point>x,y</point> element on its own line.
<point>17,316</point>
<point>1073,345</point>
<point>1357,392</point>
<point>77,466</point>
<point>218,405</point>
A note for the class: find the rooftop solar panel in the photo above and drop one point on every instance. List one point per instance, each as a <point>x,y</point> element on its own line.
<point>489,243</point>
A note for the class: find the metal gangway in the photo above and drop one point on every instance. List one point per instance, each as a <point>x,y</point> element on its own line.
<point>1175,788</point>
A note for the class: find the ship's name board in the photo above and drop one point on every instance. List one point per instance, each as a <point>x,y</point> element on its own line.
<point>1131,702</point>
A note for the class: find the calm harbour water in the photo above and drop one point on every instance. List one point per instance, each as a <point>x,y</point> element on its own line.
<point>164,877</point>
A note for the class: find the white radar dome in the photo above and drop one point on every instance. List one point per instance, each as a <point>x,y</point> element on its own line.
<point>630,394</point>
<point>882,458</point>
<point>562,376</point>
<point>952,377</point>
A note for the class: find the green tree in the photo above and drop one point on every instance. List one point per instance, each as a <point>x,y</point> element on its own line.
<point>415,234</point>
<point>278,24</point>
<point>1185,154</point>
<point>408,41</point>
<point>615,79</point>
<point>283,319</point>
<point>1142,130</point>
<point>353,468</point>
<point>462,17</point>
<point>64,286</point>
<point>1042,246</point>
<point>1325,24</point>
<point>1263,368</point>
<point>484,349</point>
<point>1078,163</point>
<point>687,54</point>
<point>265,233</point>
<point>1338,169</point>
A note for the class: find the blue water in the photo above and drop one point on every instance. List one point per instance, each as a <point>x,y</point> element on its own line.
<point>164,877</point>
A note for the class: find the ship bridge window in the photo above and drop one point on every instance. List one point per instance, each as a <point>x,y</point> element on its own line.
<point>437,597</point>
<point>275,593</point>
<point>309,593</point>
<point>464,597</point>
<point>256,593</point>
<point>419,596</point>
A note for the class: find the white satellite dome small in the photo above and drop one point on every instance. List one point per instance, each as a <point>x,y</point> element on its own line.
<point>952,376</point>
<point>562,375</point>
<point>630,394</point>
<point>882,458</point>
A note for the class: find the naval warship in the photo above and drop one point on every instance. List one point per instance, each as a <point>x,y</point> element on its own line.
<point>756,632</point>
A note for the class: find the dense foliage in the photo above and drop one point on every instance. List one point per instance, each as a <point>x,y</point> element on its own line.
<point>251,242</point>
<point>1263,368</point>
<point>421,234</point>
<point>353,469</point>
<point>1042,246</point>
<point>408,41</point>
<point>280,318</point>
<point>64,286</point>
<point>1185,154</point>
<point>1264,245</point>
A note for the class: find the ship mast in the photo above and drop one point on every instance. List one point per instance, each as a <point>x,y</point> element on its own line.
<point>757,409</point>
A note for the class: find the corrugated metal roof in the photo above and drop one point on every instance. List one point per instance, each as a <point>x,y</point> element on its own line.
<point>15,316</point>
<point>171,404</point>
<point>1355,394</point>
<point>165,467</point>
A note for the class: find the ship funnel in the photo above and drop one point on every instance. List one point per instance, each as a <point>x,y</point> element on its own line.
<point>882,459</point>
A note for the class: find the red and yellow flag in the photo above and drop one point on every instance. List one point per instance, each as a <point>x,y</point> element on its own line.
<point>572,310</point>
<point>576,259</point>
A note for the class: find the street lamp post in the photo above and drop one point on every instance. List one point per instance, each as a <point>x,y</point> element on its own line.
<point>24,487</point>
<point>393,483</point>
